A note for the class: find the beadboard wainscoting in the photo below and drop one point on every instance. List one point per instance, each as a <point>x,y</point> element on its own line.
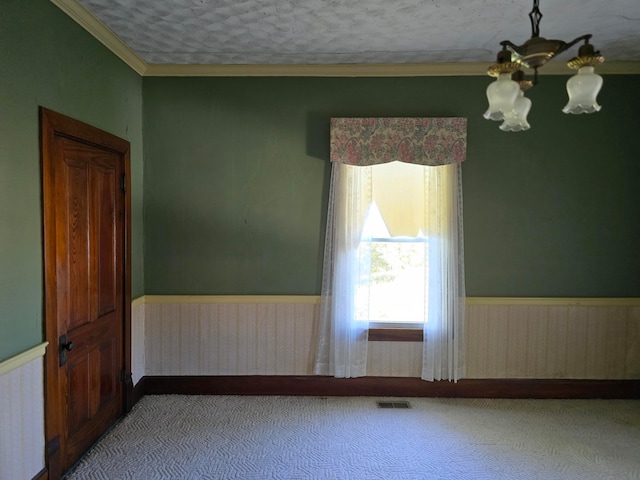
<point>229,336</point>
<point>274,335</point>
<point>548,338</point>
<point>137,340</point>
<point>22,415</point>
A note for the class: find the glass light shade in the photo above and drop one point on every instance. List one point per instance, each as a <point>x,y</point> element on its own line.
<point>583,88</point>
<point>501,95</point>
<point>515,120</point>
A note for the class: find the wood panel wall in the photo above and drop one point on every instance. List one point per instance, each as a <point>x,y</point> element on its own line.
<point>506,338</point>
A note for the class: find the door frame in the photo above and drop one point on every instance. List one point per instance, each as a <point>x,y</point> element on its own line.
<point>53,125</point>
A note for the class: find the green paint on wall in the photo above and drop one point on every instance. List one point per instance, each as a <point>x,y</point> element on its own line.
<point>48,60</point>
<point>236,174</point>
<point>237,178</point>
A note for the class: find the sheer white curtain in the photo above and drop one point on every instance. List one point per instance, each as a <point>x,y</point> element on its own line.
<point>342,339</point>
<point>443,354</point>
<point>356,146</point>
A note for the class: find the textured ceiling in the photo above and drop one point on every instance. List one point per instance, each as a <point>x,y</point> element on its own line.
<point>358,31</point>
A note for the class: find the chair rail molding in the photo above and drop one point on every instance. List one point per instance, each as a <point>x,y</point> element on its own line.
<point>23,358</point>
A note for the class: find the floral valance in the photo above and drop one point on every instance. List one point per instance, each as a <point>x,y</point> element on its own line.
<point>423,141</point>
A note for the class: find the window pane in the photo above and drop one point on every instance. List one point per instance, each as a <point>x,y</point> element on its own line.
<point>398,190</point>
<point>396,289</point>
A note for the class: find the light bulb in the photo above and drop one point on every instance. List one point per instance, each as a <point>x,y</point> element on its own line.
<point>583,88</point>
<point>515,120</point>
<point>501,95</point>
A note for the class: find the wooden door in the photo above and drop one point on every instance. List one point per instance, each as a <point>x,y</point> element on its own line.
<point>84,228</point>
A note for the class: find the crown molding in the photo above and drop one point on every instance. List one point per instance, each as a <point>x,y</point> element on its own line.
<point>607,68</point>
<point>102,33</point>
<point>364,70</point>
<point>320,70</point>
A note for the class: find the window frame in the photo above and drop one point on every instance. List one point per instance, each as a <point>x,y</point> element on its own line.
<point>395,331</point>
<point>395,334</point>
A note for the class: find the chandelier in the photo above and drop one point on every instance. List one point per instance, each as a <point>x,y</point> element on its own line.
<point>507,102</point>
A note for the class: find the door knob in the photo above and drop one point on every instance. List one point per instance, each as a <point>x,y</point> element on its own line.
<point>64,348</point>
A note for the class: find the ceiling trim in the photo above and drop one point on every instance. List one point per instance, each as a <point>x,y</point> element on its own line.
<point>364,70</point>
<point>319,70</point>
<point>87,20</point>
<point>101,32</point>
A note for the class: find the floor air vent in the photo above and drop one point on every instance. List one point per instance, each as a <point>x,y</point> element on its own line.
<point>401,404</point>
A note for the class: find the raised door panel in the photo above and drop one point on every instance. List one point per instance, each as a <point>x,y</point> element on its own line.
<point>107,282</point>
<point>76,241</point>
<point>91,234</point>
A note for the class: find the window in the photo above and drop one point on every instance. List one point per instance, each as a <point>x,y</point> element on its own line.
<point>392,288</point>
<point>395,292</point>
<point>393,248</point>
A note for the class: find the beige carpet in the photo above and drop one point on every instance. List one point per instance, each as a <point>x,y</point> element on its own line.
<point>233,437</point>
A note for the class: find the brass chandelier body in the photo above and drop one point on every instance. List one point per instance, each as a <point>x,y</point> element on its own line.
<point>537,51</point>
<point>533,54</point>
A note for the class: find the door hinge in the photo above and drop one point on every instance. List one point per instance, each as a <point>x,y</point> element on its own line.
<point>124,377</point>
<point>123,183</point>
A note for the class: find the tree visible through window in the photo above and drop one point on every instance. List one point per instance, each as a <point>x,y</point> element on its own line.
<point>395,287</point>
<point>393,252</point>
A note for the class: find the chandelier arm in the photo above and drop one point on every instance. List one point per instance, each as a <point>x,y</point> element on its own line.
<point>576,40</point>
<point>566,46</point>
<point>532,53</point>
<point>508,43</point>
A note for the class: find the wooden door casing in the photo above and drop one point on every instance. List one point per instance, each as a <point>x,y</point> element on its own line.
<point>87,285</point>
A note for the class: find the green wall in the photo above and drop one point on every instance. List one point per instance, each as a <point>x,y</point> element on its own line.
<point>237,174</point>
<point>48,60</point>
<point>237,177</point>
